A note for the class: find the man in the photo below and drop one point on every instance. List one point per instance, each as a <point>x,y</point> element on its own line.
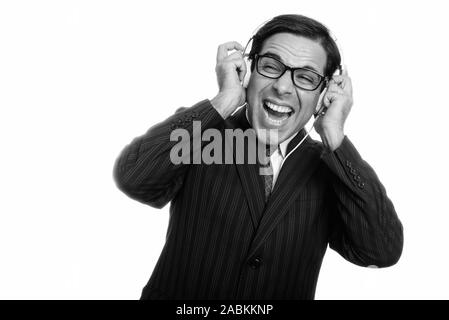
<point>237,234</point>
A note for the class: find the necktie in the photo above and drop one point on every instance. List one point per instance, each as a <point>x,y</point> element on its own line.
<point>268,176</point>
<point>268,182</point>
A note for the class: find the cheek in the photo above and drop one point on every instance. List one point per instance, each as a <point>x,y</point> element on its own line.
<point>256,85</point>
<point>308,102</point>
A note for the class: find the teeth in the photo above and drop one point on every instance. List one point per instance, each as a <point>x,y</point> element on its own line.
<point>277,108</point>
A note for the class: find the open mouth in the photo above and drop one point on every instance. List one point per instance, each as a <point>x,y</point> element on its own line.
<point>277,114</point>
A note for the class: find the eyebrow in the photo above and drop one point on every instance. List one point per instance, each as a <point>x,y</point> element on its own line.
<point>276,56</point>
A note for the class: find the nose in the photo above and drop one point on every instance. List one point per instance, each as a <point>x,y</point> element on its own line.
<point>284,85</point>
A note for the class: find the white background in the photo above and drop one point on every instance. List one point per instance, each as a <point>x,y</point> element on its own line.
<point>80,79</point>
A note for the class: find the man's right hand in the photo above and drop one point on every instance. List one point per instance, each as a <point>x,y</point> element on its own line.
<point>231,71</point>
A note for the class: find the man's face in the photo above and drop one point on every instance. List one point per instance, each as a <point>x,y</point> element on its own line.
<point>294,106</point>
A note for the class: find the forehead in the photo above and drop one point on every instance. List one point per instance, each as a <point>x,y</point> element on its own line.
<point>296,51</point>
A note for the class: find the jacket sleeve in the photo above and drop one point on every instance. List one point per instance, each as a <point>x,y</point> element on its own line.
<point>365,228</point>
<point>145,171</point>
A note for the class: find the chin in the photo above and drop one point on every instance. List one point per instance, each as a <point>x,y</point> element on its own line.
<point>273,136</point>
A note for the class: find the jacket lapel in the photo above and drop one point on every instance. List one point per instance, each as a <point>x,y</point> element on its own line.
<point>250,179</point>
<point>293,176</point>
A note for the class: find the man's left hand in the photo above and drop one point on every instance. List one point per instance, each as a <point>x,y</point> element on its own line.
<point>338,101</point>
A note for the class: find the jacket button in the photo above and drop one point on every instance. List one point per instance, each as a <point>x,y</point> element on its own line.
<point>353,171</point>
<point>361,185</point>
<point>255,263</point>
<point>357,178</point>
<point>348,164</point>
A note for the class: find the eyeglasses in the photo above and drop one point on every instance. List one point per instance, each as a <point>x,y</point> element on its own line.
<point>274,69</point>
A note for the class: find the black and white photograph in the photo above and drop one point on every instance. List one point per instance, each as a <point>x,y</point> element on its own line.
<point>227,151</point>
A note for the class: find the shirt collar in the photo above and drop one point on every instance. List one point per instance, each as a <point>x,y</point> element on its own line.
<point>284,144</point>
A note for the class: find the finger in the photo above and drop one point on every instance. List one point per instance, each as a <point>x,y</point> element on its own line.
<point>336,92</point>
<point>343,82</point>
<point>334,87</point>
<point>223,49</point>
<point>234,56</point>
<point>240,66</point>
<point>329,98</point>
<point>339,79</point>
<point>235,62</point>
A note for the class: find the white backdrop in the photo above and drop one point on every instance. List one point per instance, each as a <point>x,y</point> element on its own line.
<point>80,79</point>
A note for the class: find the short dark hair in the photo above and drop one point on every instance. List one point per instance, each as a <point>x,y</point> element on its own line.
<point>301,26</point>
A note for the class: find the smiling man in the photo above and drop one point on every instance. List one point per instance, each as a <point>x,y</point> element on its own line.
<point>236,234</point>
<point>281,104</point>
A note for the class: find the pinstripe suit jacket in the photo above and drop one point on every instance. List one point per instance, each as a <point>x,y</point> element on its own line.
<point>224,242</point>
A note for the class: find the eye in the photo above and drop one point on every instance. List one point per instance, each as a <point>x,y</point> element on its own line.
<point>306,77</point>
<point>304,80</point>
<point>271,67</point>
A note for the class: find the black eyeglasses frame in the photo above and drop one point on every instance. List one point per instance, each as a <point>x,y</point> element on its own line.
<point>292,70</point>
